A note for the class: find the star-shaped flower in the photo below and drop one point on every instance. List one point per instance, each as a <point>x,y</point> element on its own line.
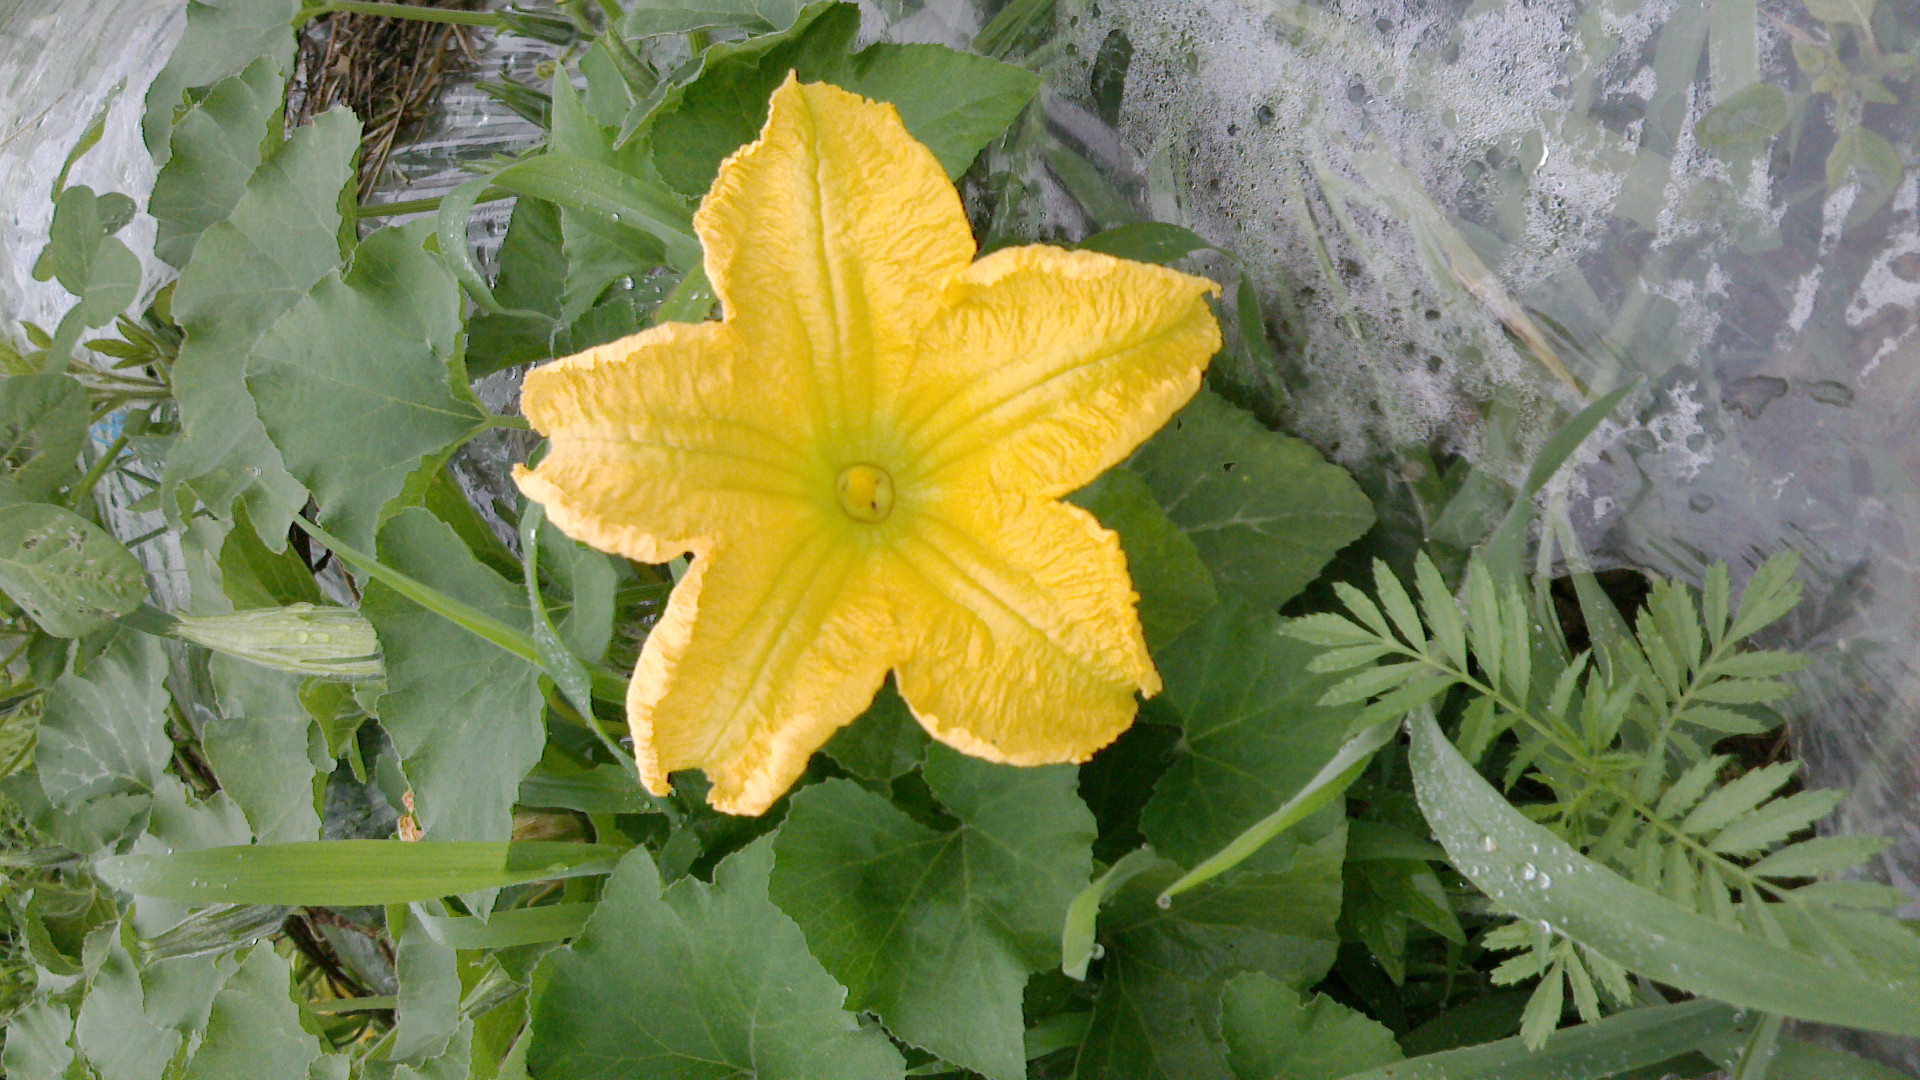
<point>865,458</point>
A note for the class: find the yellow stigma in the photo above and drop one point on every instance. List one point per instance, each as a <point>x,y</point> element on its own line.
<point>866,493</point>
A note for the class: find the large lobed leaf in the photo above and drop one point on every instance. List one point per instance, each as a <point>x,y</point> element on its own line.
<point>216,144</point>
<point>1266,510</point>
<point>1275,1033</point>
<point>464,714</point>
<point>697,982</point>
<point>358,384</point>
<point>280,241</point>
<point>68,574</point>
<point>936,930</point>
<point>43,425</point>
<point>1255,732</point>
<point>953,102</point>
<point>104,731</point>
<point>84,256</point>
<point>1157,1016</point>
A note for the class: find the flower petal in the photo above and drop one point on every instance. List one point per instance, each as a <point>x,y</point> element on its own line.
<point>829,241</point>
<point>1046,367</point>
<point>773,641</point>
<point>1028,648</point>
<point>659,441</point>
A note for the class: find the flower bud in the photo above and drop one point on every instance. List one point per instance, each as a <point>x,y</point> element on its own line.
<point>329,642</point>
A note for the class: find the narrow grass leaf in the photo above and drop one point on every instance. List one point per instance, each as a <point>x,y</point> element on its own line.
<point>1083,914</point>
<point>350,873</point>
<point>1531,872</point>
<point>507,929</point>
<point>1504,550</point>
<point>1619,1044</point>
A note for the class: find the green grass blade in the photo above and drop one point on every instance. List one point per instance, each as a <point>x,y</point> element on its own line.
<point>507,929</point>
<point>1327,785</point>
<point>453,213</point>
<point>1076,939</point>
<point>350,873</point>
<point>588,186</point>
<point>1503,551</point>
<point>1629,1040</point>
<point>1529,871</point>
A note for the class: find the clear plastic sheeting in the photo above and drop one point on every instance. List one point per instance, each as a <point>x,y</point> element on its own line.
<point>1490,212</point>
<point>61,64</point>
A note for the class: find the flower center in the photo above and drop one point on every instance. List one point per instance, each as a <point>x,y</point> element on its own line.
<point>866,493</point>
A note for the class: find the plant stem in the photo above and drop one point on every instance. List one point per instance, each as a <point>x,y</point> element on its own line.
<point>84,488</point>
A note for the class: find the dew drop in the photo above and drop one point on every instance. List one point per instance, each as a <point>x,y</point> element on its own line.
<point>1528,873</point>
<point>302,637</point>
<point>1545,882</point>
<point>1487,844</point>
<point>1097,951</point>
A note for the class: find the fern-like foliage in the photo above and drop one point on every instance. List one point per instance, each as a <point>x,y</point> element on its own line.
<point>1610,750</point>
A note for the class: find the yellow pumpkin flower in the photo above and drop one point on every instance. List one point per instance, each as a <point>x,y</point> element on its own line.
<point>865,458</point>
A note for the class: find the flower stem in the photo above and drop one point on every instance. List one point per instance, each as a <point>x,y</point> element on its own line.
<point>99,469</point>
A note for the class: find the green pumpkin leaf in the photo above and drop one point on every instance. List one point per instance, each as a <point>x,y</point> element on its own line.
<point>221,39</point>
<point>280,241</point>
<point>68,574</point>
<point>257,746</point>
<point>39,1042</point>
<point>358,385</point>
<point>696,982</point>
<point>1175,586</point>
<point>427,1011</point>
<point>721,108</point>
<point>1275,1033</point>
<point>1255,733</point>
<point>599,253</point>
<point>253,1031</point>
<point>216,146</point>
<point>936,931</point>
<point>883,743</point>
<point>464,714</point>
<point>1265,510</point>
<point>953,102</point>
<point>1158,1012</point>
<point>115,1028</point>
<point>83,255</point>
<point>43,425</point>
